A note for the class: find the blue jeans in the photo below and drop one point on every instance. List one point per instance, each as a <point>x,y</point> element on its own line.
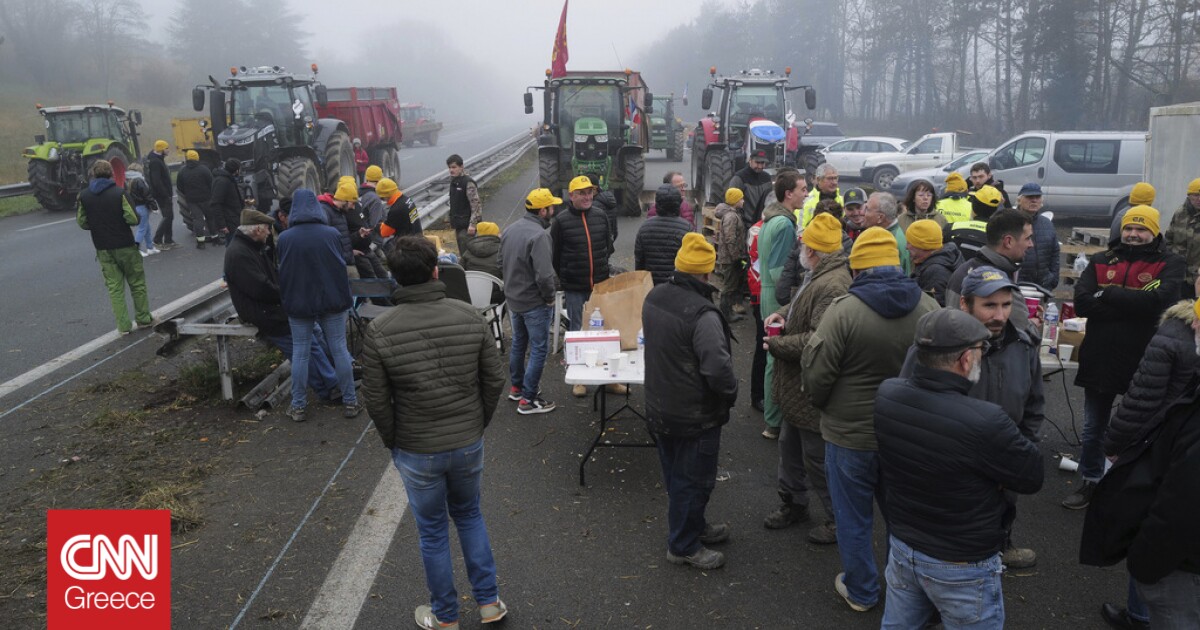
<point>854,479</point>
<point>1134,604</point>
<point>967,594</point>
<point>441,484</point>
<point>1174,602</point>
<point>1097,408</point>
<point>333,329</point>
<point>574,301</point>
<point>142,237</point>
<point>689,474</point>
<point>532,329</point>
<point>321,375</point>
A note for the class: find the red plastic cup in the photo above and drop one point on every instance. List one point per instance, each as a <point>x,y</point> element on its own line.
<point>1032,304</point>
<point>1068,311</point>
<point>774,330</point>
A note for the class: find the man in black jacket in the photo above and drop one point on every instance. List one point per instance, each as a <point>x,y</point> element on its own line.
<point>254,289</point>
<point>226,203</point>
<point>947,460</point>
<point>659,238</point>
<point>163,190</point>
<point>690,387</point>
<point>194,183</point>
<point>756,186</point>
<point>582,244</point>
<point>466,208</point>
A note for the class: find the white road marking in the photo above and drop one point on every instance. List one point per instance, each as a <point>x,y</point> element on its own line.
<point>34,227</point>
<point>348,582</point>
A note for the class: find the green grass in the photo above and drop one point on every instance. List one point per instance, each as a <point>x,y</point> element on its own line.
<point>13,206</point>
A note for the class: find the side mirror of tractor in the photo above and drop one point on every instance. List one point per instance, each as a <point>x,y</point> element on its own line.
<point>198,99</point>
<point>706,98</point>
<point>322,95</point>
<point>810,98</point>
<point>528,103</point>
<point>136,116</point>
<point>648,103</point>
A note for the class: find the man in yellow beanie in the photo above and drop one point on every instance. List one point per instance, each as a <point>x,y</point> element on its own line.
<point>1142,194</point>
<point>338,211</point>
<point>690,387</point>
<point>801,447</point>
<point>402,218</point>
<point>1183,236</point>
<point>483,254</point>
<point>731,254</point>
<point>954,204</point>
<point>159,178</point>
<point>372,209</point>
<point>860,342</point>
<point>194,184</point>
<point>1123,292</point>
<point>933,261</point>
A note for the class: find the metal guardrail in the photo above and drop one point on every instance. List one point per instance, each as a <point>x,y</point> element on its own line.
<point>25,188</point>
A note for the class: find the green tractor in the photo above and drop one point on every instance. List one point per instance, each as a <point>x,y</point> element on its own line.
<point>76,136</point>
<point>595,123</point>
<point>666,129</point>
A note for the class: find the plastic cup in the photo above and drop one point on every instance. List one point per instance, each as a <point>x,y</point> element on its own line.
<point>590,357</point>
<point>774,330</point>
<point>1065,350</point>
<point>615,362</point>
<point>1067,464</point>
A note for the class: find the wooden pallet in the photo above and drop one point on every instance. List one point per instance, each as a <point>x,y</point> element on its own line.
<point>1090,236</point>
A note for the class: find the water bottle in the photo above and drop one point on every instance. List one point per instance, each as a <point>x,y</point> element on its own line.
<point>1050,328</point>
<point>596,321</point>
<point>641,341</point>
<point>1081,263</point>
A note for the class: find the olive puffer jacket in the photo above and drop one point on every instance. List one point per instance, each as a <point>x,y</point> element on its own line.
<point>1164,374</point>
<point>431,372</point>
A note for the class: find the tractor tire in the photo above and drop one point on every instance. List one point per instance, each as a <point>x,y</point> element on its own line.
<point>633,174</point>
<point>294,173</point>
<point>675,153</point>
<point>809,162</point>
<point>698,184</point>
<point>718,171</point>
<point>47,191</point>
<point>339,159</point>
<point>388,160</point>
<point>883,177</point>
<point>548,171</point>
<point>431,139</point>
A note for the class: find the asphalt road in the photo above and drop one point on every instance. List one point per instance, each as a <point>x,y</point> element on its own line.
<point>54,296</point>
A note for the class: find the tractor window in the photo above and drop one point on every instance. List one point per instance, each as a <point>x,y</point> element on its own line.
<point>76,127</point>
<point>588,101</point>
<point>748,102</point>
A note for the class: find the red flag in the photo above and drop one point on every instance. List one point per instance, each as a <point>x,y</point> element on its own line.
<point>558,56</point>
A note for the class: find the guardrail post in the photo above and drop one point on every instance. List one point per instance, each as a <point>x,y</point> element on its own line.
<point>223,367</point>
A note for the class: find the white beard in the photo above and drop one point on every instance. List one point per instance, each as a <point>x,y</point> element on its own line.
<point>976,372</point>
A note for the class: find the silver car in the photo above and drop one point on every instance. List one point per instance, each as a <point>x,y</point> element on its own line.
<point>936,175</point>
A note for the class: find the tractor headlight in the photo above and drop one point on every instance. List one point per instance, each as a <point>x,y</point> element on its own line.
<point>602,138</point>
<point>580,137</point>
<point>53,155</point>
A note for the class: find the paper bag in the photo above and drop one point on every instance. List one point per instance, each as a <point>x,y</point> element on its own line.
<point>620,302</point>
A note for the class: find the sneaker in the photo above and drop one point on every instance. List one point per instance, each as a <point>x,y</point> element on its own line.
<point>537,405</point>
<point>144,253</point>
<point>514,394</point>
<point>491,613</point>
<point>1118,617</point>
<point>166,246</point>
<point>823,534</point>
<point>352,410</point>
<point>839,585</point>
<point>617,388</point>
<point>704,558</point>
<point>771,433</point>
<point>425,619</point>
<point>714,534</point>
<point>786,515</point>
<point>1018,558</point>
<point>1081,497</point>
<point>579,391</point>
<point>152,251</point>
<point>296,414</point>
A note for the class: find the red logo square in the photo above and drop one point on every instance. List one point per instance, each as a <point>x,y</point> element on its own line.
<point>108,569</point>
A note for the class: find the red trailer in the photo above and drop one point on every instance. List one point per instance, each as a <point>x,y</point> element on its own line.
<point>373,116</point>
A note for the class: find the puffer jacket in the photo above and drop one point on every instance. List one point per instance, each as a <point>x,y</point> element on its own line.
<point>431,372</point>
<point>830,280</point>
<point>194,182</point>
<point>1123,293</point>
<point>1165,373</point>
<point>581,247</point>
<point>483,254</point>
<point>757,189</point>
<point>1042,260</point>
<point>339,221</point>
<point>607,202</point>
<point>731,235</point>
<point>947,460</point>
<point>860,342</point>
<point>159,177</point>
<point>312,271</point>
<point>226,198</point>
<point>933,273</point>
<point>1183,238</point>
<point>657,242</point>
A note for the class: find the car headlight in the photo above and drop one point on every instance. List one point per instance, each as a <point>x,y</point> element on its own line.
<point>580,138</point>
<point>602,138</point>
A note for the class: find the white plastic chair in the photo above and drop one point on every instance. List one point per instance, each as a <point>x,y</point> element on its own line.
<point>480,285</point>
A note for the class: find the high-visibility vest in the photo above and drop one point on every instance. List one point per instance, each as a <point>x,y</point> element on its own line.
<point>804,213</point>
<point>970,236</point>
<point>955,210</point>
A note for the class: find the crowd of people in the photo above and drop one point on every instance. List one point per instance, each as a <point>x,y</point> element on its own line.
<point>896,363</point>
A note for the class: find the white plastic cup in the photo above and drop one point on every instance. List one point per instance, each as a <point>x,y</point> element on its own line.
<point>1067,464</point>
<point>1065,350</point>
<point>615,362</point>
<point>590,357</point>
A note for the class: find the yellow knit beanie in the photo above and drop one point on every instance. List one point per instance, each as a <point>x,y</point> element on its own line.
<point>955,183</point>
<point>734,195</point>
<point>924,234</point>
<point>487,228</point>
<point>1142,194</point>
<point>875,247</point>
<point>373,174</point>
<point>1144,216</point>
<point>347,190</point>
<point>823,234</point>
<point>696,255</point>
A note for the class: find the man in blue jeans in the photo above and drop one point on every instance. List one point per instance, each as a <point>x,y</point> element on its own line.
<point>315,291</point>
<point>525,255</point>
<point>432,379</point>
<point>947,461</point>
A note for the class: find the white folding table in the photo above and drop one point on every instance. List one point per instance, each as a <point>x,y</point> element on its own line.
<point>633,372</point>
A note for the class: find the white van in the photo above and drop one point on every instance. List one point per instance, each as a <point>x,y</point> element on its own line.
<point>1081,172</point>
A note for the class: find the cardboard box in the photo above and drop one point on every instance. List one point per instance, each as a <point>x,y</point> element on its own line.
<point>1075,339</point>
<point>606,342</point>
<point>1075,324</point>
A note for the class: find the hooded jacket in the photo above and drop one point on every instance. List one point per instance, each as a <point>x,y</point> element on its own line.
<point>830,280</point>
<point>159,177</point>
<point>582,246</point>
<point>194,182</point>
<point>226,198</point>
<point>657,242</point>
<point>526,258</point>
<point>483,254</point>
<point>776,241</point>
<point>339,221</point>
<point>312,271</point>
<point>1166,372</point>
<point>104,212</point>
<point>137,191</point>
<point>254,286</point>
<point>860,342</point>
<point>731,235</point>
<point>1123,292</point>
<point>933,274</point>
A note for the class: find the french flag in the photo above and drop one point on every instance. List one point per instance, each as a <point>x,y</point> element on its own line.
<point>634,114</point>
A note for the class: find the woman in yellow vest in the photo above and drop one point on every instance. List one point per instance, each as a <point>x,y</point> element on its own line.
<point>955,206</point>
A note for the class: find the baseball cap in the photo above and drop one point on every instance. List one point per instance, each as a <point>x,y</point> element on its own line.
<point>1032,189</point>
<point>581,182</point>
<point>540,198</point>
<point>988,196</point>
<point>949,329</point>
<point>985,280</point>
<point>856,196</point>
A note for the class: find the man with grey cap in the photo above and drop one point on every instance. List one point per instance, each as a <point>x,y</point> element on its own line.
<point>947,461</point>
<point>1010,371</point>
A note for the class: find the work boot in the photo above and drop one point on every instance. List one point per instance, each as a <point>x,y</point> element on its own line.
<point>352,410</point>
<point>786,515</point>
<point>714,534</point>
<point>1119,618</point>
<point>823,534</point>
<point>1081,497</point>
<point>704,558</point>
<point>1018,558</point>
<point>296,414</point>
<point>579,391</point>
<point>739,308</point>
<point>771,433</point>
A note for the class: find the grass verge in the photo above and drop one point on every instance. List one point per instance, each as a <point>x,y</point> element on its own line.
<point>12,206</point>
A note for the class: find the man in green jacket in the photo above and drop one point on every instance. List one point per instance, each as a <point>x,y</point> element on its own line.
<point>432,380</point>
<point>860,342</point>
<point>882,211</point>
<point>1183,237</point>
<point>775,243</point>
<point>104,211</point>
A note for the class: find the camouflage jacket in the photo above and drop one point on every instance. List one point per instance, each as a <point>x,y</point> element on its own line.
<point>1183,238</point>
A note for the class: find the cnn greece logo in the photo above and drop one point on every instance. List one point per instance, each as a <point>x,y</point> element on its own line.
<point>123,557</point>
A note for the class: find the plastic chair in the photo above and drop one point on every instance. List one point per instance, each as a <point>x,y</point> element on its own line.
<point>362,311</point>
<point>481,286</point>
<point>455,279</point>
